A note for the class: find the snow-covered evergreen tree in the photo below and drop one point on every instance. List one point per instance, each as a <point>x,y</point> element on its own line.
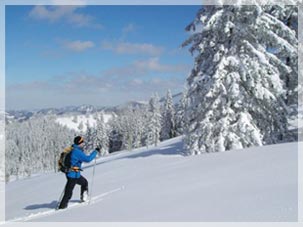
<point>12,158</point>
<point>124,131</point>
<point>101,139</point>
<point>284,19</point>
<point>140,121</point>
<point>130,124</point>
<point>235,94</point>
<point>115,135</point>
<point>179,116</point>
<point>144,122</point>
<point>154,121</point>
<point>81,126</point>
<point>34,146</point>
<point>90,136</point>
<point>129,129</point>
<point>168,118</point>
<point>75,119</point>
<point>300,64</point>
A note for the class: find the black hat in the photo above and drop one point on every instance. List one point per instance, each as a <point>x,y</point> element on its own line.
<point>78,140</point>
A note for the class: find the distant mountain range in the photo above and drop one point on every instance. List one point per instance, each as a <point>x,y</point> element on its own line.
<point>23,115</point>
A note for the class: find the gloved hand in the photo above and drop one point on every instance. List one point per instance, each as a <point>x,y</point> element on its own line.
<point>98,149</point>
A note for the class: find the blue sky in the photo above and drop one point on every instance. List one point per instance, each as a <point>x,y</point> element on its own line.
<point>101,55</point>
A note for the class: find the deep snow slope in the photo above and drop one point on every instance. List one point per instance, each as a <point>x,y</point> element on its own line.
<point>159,184</point>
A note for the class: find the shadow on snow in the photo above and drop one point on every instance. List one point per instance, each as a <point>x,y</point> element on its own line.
<point>51,205</point>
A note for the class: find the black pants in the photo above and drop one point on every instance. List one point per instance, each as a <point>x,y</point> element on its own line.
<point>69,187</point>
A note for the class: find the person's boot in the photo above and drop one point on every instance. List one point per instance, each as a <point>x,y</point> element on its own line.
<point>62,206</point>
<point>84,197</point>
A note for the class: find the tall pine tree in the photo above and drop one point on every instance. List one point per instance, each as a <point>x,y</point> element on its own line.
<point>168,118</point>
<point>179,116</point>
<point>154,121</point>
<point>101,139</point>
<point>235,94</point>
<point>284,19</point>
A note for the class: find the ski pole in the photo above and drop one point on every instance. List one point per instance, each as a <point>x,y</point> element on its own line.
<point>91,187</point>
<point>60,198</point>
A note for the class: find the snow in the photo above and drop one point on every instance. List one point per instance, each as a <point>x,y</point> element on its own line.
<point>296,122</point>
<point>159,184</point>
<point>68,121</point>
<point>259,54</point>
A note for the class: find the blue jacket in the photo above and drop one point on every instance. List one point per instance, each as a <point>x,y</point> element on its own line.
<point>77,157</point>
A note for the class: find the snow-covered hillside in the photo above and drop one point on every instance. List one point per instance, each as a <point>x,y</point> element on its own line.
<point>73,122</point>
<point>159,184</point>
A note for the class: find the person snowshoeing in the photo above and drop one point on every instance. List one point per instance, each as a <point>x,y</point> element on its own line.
<point>73,175</point>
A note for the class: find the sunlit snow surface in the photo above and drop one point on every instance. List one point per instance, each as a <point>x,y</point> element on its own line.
<point>159,184</point>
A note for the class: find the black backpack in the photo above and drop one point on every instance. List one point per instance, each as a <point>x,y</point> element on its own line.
<point>64,162</point>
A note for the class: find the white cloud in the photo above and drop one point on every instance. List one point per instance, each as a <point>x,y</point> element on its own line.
<point>63,13</point>
<point>129,28</point>
<point>154,65</point>
<point>132,48</point>
<point>78,46</point>
<point>136,81</point>
<point>145,67</point>
<point>150,85</point>
<point>89,89</point>
<point>52,13</point>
